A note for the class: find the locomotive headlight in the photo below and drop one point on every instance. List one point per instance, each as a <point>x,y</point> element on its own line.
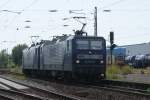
<point>101,61</point>
<point>102,75</point>
<point>77,61</point>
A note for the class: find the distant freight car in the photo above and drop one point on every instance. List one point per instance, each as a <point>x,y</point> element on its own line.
<point>130,60</point>
<point>78,56</point>
<point>147,60</point>
<point>119,54</point>
<point>138,61</point>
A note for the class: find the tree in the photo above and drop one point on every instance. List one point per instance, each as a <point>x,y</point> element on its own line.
<point>17,53</point>
<point>3,58</point>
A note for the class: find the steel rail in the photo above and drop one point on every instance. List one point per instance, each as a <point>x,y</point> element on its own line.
<point>129,84</point>
<point>135,85</point>
<point>135,88</point>
<point>127,90</point>
<point>99,85</point>
<point>19,94</point>
<point>4,97</point>
<point>61,96</point>
<point>106,89</point>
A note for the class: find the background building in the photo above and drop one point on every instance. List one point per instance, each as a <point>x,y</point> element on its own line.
<point>120,52</point>
<point>137,49</point>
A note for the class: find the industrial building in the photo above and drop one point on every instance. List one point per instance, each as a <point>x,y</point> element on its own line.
<point>137,49</point>
<point>128,50</point>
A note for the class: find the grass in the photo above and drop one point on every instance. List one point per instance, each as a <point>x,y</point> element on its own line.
<point>17,73</point>
<point>16,69</point>
<point>114,71</point>
<point>126,70</point>
<point>142,71</point>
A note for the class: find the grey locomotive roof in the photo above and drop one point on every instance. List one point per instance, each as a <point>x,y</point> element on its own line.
<point>58,39</point>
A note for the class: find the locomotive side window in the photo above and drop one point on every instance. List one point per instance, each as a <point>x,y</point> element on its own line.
<point>96,45</point>
<point>82,44</point>
<point>67,45</point>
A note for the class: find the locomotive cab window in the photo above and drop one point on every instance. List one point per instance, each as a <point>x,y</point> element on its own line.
<point>89,44</point>
<point>96,45</point>
<point>82,44</point>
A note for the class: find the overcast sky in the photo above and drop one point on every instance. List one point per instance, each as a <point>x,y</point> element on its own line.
<point>129,19</point>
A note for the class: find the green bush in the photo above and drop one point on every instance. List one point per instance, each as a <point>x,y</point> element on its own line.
<point>112,76</point>
<point>16,69</point>
<point>115,72</point>
<point>126,70</point>
<point>112,72</point>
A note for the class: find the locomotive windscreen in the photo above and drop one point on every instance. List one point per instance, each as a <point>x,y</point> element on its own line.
<point>82,44</point>
<point>96,45</point>
<point>89,44</point>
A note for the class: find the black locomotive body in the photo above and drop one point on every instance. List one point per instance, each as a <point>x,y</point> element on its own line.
<point>67,56</point>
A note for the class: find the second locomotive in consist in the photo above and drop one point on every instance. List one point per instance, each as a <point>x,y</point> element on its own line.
<point>78,56</point>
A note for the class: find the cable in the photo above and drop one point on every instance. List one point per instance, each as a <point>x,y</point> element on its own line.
<point>16,16</point>
<point>131,10</point>
<point>2,5</point>
<point>32,3</point>
<point>112,4</point>
<point>125,10</point>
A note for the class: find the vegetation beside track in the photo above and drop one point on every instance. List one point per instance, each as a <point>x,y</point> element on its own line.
<point>127,73</point>
<point>17,73</point>
<point>114,71</point>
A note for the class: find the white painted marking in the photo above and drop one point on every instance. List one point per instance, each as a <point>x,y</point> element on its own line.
<point>4,87</point>
<point>15,85</point>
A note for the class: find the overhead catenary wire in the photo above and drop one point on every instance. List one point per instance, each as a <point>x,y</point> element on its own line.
<point>21,11</point>
<point>18,14</point>
<point>5,3</point>
<point>131,10</point>
<point>112,4</point>
<point>123,10</point>
<point>31,4</point>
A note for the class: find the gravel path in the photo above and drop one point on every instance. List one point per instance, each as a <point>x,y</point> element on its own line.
<point>142,78</point>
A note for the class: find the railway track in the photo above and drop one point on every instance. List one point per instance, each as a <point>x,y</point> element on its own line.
<point>122,85</point>
<point>135,85</point>
<point>4,97</point>
<point>126,89</point>
<point>17,95</point>
<point>140,90</point>
<point>118,88</point>
<point>113,83</point>
<point>34,93</point>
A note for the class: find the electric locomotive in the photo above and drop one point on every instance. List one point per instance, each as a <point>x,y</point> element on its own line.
<point>78,56</point>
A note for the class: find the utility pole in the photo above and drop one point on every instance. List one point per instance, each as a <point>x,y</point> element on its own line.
<point>95,22</point>
<point>112,45</point>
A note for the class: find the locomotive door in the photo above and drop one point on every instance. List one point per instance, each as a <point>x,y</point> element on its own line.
<point>68,56</point>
